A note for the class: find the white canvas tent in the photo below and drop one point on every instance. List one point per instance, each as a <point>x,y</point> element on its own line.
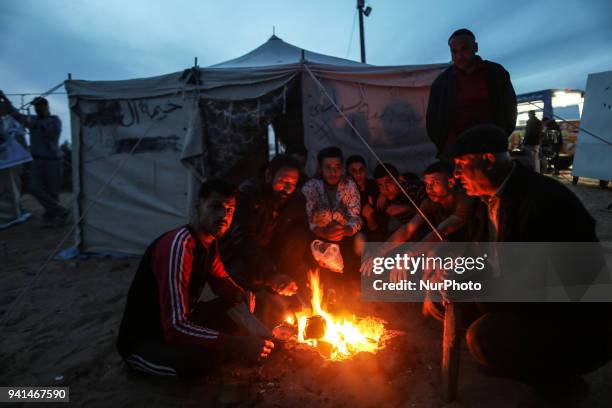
<point>593,157</point>
<point>214,122</point>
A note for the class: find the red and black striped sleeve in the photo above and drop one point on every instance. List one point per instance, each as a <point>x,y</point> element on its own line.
<point>221,283</point>
<point>172,264</point>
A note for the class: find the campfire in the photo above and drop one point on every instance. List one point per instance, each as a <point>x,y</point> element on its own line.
<point>336,337</point>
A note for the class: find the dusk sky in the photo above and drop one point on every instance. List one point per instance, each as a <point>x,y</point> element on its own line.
<point>543,44</point>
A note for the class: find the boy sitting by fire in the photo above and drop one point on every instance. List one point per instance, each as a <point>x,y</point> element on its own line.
<point>333,210</point>
<point>446,206</point>
<point>393,208</point>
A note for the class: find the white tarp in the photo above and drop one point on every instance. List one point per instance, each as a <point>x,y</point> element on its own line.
<point>593,157</point>
<point>387,107</point>
<point>142,138</point>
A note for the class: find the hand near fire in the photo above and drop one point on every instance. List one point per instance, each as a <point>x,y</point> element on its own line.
<point>334,231</point>
<point>250,300</point>
<point>397,275</point>
<point>283,285</point>
<point>253,348</point>
<point>367,265</point>
<point>367,211</point>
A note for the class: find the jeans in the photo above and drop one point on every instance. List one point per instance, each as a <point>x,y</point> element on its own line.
<point>45,185</point>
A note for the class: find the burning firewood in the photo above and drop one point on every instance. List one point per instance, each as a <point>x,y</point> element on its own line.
<point>336,337</point>
<point>316,326</point>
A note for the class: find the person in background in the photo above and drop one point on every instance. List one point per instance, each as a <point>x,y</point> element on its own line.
<point>46,173</point>
<point>552,127</point>
<point>368,191</point>
<point>299,154</point>
<point>471,91</point>
<point>393,208</point>
<point>532,140</point>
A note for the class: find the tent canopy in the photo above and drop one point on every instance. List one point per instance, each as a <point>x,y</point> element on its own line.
<point>254,74</point>
<point>275,52</point>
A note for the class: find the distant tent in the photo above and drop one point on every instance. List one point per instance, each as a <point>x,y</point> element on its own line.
<point>215,121</point>
<point>12,155</point>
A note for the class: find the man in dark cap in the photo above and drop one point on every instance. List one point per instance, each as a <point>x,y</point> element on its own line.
<point>45,178</point>
<point>470,92</point>
<point>529,341</point>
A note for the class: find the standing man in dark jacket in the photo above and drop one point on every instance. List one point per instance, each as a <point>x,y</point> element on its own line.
<point>532,139</point>
<point>46,177</point>
<point>470,92</point>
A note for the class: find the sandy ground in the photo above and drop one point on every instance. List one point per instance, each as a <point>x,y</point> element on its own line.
<point>64,330</point>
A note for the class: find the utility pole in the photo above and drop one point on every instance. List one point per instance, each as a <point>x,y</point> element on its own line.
<point>362,12</point>
<point>360,4</point>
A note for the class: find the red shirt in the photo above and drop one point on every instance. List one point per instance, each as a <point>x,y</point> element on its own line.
<point>473,106</point>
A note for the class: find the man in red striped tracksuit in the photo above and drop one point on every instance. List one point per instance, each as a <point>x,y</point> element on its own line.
<point>166,330</point>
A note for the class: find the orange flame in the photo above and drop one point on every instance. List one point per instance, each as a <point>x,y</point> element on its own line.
<point>346,335</point>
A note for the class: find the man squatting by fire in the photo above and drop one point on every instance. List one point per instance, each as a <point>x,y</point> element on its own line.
<point>166,329</point>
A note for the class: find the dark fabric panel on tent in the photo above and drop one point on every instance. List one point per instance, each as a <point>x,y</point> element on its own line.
<point>235,134</point>
<point>289,126</point>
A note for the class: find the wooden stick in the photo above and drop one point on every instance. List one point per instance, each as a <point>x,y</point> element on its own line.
<point>451,349</point>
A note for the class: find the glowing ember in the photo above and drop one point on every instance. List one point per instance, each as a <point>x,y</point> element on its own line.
<point>347,336</point>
